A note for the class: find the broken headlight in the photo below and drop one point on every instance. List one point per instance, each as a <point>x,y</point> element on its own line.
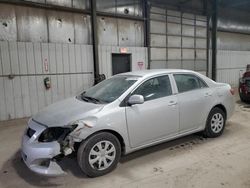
<point>55,134</point>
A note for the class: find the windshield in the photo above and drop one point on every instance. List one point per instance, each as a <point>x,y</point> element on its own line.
<point>108,90</point>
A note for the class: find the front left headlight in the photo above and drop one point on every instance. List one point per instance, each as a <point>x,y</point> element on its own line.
<point>55,133</point>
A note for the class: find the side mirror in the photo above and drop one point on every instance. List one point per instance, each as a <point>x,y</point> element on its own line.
<point>135,99</point>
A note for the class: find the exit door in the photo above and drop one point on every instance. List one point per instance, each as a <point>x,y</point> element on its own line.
<point>121,63</point>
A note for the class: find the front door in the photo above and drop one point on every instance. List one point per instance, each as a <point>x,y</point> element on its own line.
<point>121,63</point>
<point>157,117</point>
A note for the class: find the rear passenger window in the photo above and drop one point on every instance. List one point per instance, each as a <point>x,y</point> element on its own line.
<point>154,88</point>
<point>188,82</point>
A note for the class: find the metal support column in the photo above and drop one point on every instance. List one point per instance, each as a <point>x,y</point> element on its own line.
<point>95,40</point>
<point>207,14</point>
<point>214,38</point>
<point>146,16</point>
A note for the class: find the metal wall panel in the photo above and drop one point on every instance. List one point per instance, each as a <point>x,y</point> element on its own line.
<point>120,32</point>
<point>8,30</point>
<point>201,43</point>
<point>187,30</point>
<point>200,65</point>
<point>233,41</point>
<point>158,64</point>
<point>158,40</point>
<point>138,54</point>
<point>174,28</point>
<point>38,1</point>
<point>126,32</point>
<point>158,10</point>
<point>65,3</point>
<point>174,64</point>
<point>27,24</point>
<point>139,34</point>
<point>188,54</point>
<point>201,32</point>
<point>183,34</point>
<point>231,65</point>
<point>107,31</point>
<point>126,7</point>
<point>82,25</point>
<point>201,54</point>
<point>189,65</point>
<point>61,27</point>
<point>106,6</point>
<point>31,24</point>
<point>157,27</point>
<point>188,42</point>
<point>138,8</point>
<point>25,94</point>
<point>174,54</point>
<point>158,53</point>
<point>159,17</point>
<point>81,4</point>
<point>174,41</point>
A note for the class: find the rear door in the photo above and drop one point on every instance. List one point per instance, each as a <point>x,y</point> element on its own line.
<point>195,99</point>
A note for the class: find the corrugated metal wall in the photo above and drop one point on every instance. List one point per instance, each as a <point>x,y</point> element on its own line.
<point>138,54</point>
<point>178,40</point>
<point>32,37</point>
<point>231,65</point>
<point>70,68</point>
<point>27,24</point>
<point>232,56</point>
<point>123,7</point>
<point>120,32</point>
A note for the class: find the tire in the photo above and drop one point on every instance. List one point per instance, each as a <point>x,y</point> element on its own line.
<point>242,99</point>
<point>91,158</point>
<point>215,123</point>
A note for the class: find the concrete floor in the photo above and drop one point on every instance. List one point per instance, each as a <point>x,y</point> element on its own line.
<point>187,162</point>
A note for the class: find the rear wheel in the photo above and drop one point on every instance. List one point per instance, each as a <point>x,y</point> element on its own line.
<point>215,123</point>
<point>99,154</point>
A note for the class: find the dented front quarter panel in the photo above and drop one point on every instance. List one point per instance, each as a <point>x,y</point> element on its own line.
<point>111,118</point>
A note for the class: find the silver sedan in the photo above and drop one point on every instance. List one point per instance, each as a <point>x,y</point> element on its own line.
<point>125,113</point>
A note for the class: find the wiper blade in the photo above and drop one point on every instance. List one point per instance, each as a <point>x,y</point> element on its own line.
<point>87,98</point>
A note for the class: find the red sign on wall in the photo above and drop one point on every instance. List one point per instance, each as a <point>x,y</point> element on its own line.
<point>123,50</point>
<point>140,65</point>
<point>46,65</point>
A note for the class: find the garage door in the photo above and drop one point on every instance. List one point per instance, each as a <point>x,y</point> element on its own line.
<point>178,40</point>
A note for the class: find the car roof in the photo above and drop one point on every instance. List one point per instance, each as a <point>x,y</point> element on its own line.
<point>152,72</point>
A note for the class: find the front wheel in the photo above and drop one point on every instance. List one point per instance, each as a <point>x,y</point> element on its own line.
<point>215,123</point>
<point>99,154</point>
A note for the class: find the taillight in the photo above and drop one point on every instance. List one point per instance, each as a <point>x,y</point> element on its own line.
<point>232,91</point>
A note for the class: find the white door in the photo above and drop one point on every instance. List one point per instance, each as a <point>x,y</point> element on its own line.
<point>194,99</point>
<point>157,117</point>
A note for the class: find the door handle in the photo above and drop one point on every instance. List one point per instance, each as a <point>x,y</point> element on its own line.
<point>172,103</point>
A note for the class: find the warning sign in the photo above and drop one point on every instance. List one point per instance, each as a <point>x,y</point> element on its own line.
<point>140,65</point>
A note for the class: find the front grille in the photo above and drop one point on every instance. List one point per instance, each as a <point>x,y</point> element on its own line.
<point>30,132</point>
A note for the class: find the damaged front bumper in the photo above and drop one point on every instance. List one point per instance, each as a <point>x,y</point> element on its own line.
<point>40,157</point>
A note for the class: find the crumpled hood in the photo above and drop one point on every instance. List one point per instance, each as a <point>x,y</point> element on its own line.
<point>67,111</point>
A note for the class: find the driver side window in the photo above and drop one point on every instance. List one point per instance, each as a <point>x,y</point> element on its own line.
<point>154,88</point>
